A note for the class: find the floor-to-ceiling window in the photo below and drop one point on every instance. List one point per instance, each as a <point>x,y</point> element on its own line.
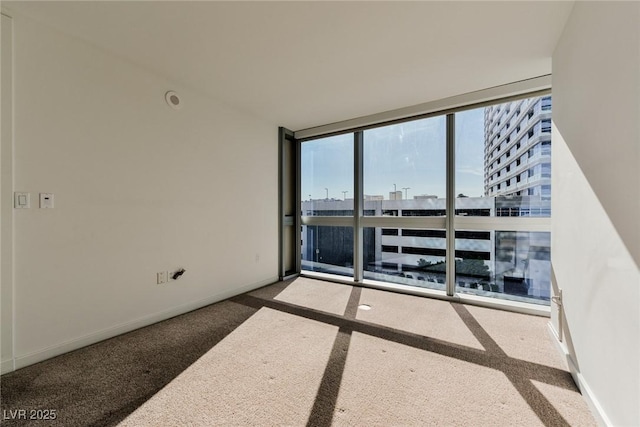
<point>457,202</point>
<point>503,200</point>
<point>326,184</point>
<point>404,183</point>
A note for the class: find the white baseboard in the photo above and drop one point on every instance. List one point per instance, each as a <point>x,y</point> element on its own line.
<point>65,347</point>
<point>595,407</point>
<point>6,366</point>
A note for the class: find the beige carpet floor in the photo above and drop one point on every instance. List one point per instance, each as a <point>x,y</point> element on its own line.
<point>101,384</point>
<point>310,356</point>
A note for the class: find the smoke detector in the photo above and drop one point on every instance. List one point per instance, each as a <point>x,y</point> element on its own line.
<point>173,100</point>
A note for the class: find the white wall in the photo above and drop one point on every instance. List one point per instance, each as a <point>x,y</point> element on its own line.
<point>6,202</point>
<point>139,188</point>
<point>596,201</point>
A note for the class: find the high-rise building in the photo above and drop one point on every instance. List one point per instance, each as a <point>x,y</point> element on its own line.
<point>517,151</point>
<point>502,262</point>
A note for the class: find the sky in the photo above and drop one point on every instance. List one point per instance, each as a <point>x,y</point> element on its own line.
<point>411,155</point>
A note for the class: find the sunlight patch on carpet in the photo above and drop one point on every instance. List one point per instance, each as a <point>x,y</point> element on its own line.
<point>318,295</point>
<point>269,368</point>
<point>427,389</point>
<point>569,403</point>
<point>519,336</point>
<point>422,316</point>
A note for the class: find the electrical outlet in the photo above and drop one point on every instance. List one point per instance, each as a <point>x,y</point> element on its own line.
<point>162,277</point>
<point>46,200</point>
<point>179,271</point>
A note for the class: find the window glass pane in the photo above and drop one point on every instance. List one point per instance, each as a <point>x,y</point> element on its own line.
<point>488,181</point>
<point>327,249</point>
<point>503,168</point>
<point>512,265</point>
<point>327,176</point>
<point>405,169</point>
<point>414,257</point>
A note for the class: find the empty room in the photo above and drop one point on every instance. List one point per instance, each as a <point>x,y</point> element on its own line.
<point>320,213</point>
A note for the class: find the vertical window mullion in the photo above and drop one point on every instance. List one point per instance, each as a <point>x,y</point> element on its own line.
<point>289,202</point>
<point>451,206</point>
<point>358,200</point>
<point>298,205</point>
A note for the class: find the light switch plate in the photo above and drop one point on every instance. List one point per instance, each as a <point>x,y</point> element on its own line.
<point>46,200</point>
<point>21,200</point>
<point>161,277</point>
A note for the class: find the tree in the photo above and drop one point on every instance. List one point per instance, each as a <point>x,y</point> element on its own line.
<point>472,267</point>
<point>433,267</point>
<point>467,267</point>
<point>422,263</point>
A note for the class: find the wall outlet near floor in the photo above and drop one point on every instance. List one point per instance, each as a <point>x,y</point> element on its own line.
<point>162,277</point>
<point>175,274</point>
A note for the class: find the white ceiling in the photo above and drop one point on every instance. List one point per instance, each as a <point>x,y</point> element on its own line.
<point>303,64</point>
